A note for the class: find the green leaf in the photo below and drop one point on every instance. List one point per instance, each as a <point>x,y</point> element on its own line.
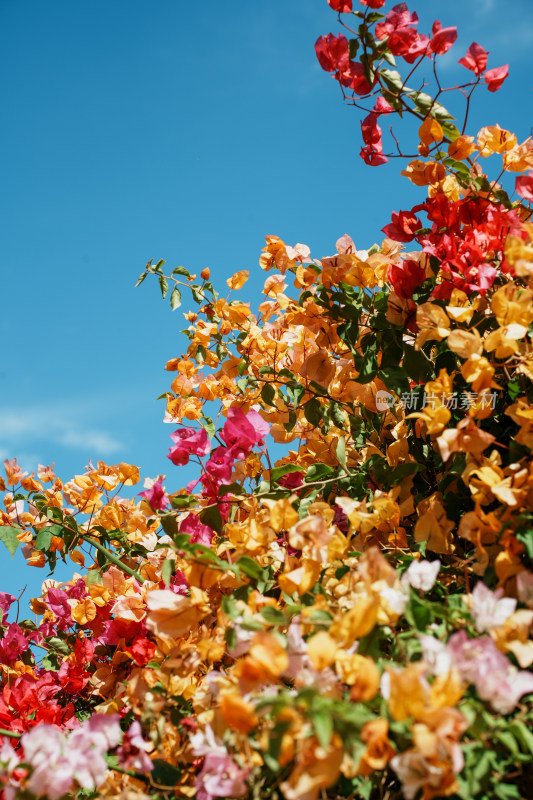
<point>323,725</point>
<point>164,774</point>
<point>395,379</point>
<point>521,732</point>
<point>181,271</point>
<point>169,524</point>
<point>318,471</point>
<point>313,412</point>
<point>273,615</point>
<point>141,278</point>
<point>8,535</point>
<point>416,364</point>
<point>338,415</point>
<point>249,567</point>
<point>279,472</point>
<point>392,79</point>
<point>268,393</point>
<point>341,452</point>
<point>167,570</point>
<point>450,130</point>
<point>175,298</point>
<point>163,286</point>
<point>424,102</point>
<point>55,643</point>
<point>353,45</point>
<point>212,517</point>
<point>183,501</point>
<point>43,539</point>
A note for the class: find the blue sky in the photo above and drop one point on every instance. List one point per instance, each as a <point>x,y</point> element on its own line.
<point>184,131</point>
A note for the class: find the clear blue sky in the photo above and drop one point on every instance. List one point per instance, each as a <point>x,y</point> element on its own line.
<point>177,130</point>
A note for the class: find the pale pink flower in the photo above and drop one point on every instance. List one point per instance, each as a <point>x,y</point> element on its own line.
<point>436,655</point>
<point>132,753</point>
<point>488,610</point>
<point>415,772</point>
<point>422,575</point>
<point>221,777</point>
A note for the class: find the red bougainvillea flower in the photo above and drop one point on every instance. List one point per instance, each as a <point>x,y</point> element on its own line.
<point>373,3</point>
<point>416,49</point>
<point>405,278</point>
<point>332,53</point>
<point>398,18</point>
<point>382,107</point>
<point>403,226</point>
<point>371,130</point>
<point>495,77</point>
<point>475,59</point>
<point>354,78</point>
<point>442,38</point>
<point>373,156</point>
<point>524,186</point>
<point>342,6</point>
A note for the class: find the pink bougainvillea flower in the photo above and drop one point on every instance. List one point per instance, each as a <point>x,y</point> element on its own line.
<point>403,226</point>
<point>524,186</point>
<point>382,107</point>
<point>332,52</point>
<point>242,431</point>
<point>6,600</point>
<point>442,39</point>
<point>200,533</point>
<point>188,442</point>
<point>13,644</point>
<point>475,59</point>
<point>221,777</point>
<point>132,753</point>
<point>220,465</point>
<point>416,49</point>
<point>495,77</point>
<point>342,6</point>
<point>490,609</point>
<point>156,496</point>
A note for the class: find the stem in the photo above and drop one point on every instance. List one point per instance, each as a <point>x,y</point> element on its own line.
<point>114,559</point>
<point>11,734</point>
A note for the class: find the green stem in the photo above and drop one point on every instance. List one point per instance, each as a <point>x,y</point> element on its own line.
<point>114,559</point>
<point>11,734</point>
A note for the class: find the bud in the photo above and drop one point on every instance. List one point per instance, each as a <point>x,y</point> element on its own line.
<point>205,273</point>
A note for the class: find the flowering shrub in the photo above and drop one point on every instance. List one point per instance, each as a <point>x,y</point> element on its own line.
<point>353,620</point>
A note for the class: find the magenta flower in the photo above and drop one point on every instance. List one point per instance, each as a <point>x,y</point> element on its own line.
<point>200,533</point>
<point>189,442</point>
<point>132,754</point>
<point>156,496</point>
<point>243,431</point>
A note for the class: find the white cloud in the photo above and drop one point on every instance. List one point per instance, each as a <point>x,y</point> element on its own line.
<point>65,425</point>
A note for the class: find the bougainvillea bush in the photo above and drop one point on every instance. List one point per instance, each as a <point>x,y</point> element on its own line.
<point>353,618</point>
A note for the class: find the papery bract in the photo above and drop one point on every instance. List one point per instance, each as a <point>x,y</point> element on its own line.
<point>495,77</point>
<point>475,59</point>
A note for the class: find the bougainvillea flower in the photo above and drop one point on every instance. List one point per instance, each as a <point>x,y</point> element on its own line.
<point>221,777</point>
<point>406,277</point>
<point>399,17</point>
<point>156,495</point>
<point>403,226</point>
<point>422,574</point>
<point>342,6</point>
<point>333,53</point>
<point>132,753</point>
<point>524,186</point>
<point>188,442</point>
<point>475,59</point>
<point>370,130</point>
<point>200,533</point>
<point>442,39</point>
<point>6,600</point>
<point>241,432</point>
<point>353,77</point>
<point>373,3</point>
<point>495,77</point>
<point>373,156</point>
<point>489,609</point>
